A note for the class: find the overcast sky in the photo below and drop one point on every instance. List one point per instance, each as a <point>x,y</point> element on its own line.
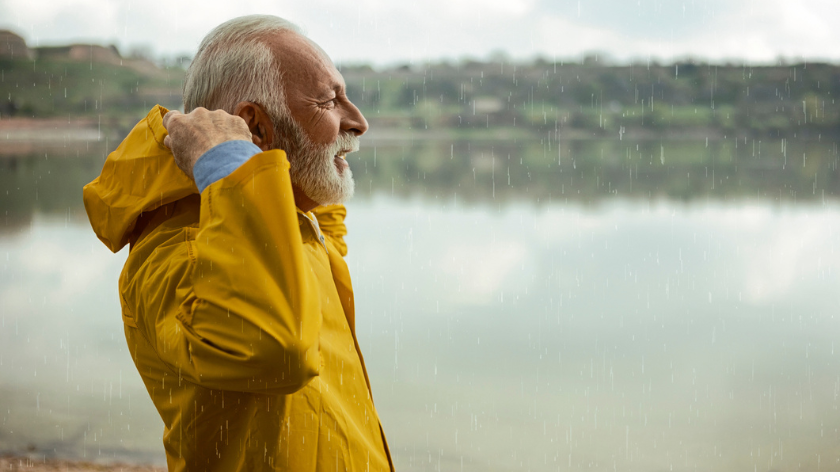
<point>389,31</point>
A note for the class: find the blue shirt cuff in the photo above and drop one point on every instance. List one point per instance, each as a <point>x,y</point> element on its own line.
<point>222,159</point>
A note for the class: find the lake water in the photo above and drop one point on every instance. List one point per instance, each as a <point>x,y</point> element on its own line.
<point>602,306</point>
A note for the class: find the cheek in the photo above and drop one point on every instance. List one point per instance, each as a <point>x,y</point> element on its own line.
<point>325,130</point>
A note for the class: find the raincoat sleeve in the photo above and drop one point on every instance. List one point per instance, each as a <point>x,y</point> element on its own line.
<point>249,317</point>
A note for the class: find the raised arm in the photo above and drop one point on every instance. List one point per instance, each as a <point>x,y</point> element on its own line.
<point>248,317</point>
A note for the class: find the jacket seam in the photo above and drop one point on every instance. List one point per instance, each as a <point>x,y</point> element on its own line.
<point>180,316</point>
<point>188,239</point>
<point>128,316</point>
<point>209,202</point>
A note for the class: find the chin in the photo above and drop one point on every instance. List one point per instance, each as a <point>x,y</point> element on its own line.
<point>338,188</point>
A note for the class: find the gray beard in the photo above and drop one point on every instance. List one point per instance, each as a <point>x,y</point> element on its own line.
<point>312,169</point>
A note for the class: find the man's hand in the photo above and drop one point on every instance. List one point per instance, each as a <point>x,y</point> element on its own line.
<point>193,134</point>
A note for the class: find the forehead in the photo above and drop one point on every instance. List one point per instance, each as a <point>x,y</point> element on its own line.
<point>304,64</point>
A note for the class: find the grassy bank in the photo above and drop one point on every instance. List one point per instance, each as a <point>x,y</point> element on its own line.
<point>585,100</point>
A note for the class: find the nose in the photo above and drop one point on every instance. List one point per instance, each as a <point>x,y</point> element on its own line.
<point>353,120</point>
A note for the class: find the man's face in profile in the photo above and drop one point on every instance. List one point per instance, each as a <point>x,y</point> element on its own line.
<point>324,124</point>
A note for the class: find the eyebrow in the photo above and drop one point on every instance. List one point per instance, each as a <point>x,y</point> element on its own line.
<point>338,88</point>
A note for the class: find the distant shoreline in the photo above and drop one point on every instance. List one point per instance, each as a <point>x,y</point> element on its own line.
<point>35,464</point>
<point>19,136</point>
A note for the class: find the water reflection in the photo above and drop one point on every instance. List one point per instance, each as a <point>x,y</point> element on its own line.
<point>648,323</point>
<point>497,172</point>
<point>542,171</point>
<point>68,385</point>
<point>47,181</point>
<point>635,336</point>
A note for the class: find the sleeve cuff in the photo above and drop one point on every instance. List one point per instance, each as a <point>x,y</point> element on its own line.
<point>222,159</point>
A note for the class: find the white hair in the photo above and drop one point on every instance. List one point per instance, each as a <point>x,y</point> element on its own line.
<point>234,64</point>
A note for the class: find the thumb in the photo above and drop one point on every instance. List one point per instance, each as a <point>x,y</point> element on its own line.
<point>168,116</point>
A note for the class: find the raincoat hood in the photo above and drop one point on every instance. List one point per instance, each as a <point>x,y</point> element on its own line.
<point>139,176</point>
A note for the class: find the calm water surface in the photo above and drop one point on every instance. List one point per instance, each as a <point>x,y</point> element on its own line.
<point>623,332</point>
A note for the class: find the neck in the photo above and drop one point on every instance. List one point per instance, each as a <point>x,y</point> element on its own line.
<point>302,201</point>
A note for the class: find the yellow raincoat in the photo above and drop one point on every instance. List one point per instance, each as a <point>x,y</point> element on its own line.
<point>238,313</point>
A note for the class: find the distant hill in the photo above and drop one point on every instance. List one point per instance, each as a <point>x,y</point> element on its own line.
<point>592,100</point>
<point>582,100</point>
<point>13,46</point>
<point>81,80</point>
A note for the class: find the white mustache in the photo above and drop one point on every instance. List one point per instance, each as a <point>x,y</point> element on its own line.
<point>344,142</point>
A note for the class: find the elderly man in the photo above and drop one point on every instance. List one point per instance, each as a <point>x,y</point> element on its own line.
<point>236,299</point>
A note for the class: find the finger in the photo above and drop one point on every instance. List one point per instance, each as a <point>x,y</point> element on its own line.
<point>167,117</point>
<point>167,141</point>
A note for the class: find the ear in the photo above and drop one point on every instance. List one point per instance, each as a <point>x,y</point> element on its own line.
<point>259,123</point>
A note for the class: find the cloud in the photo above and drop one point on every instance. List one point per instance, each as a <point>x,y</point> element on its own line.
<point>738,31</point>
<point>383,32</point>
<point>57,266</point>
<point>482,270</point>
